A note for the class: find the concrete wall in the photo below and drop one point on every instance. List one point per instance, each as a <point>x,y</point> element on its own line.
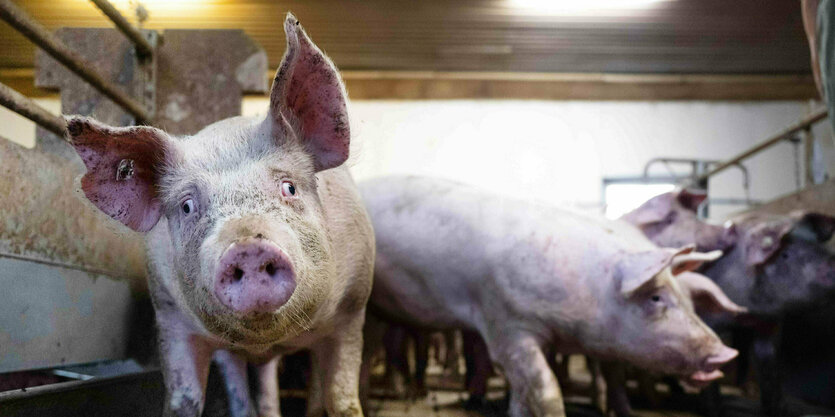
<point>561,151</point>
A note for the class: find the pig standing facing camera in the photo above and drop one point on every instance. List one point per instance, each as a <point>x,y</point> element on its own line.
<point>257,241</point>
<point>530,278</point>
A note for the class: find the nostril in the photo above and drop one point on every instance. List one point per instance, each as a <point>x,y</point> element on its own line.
<point>259,236</point>
<point>237,274</point>
<point>270,269</point>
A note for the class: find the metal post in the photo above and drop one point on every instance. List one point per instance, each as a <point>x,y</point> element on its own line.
<point>782,135</point>
<point>27,108</point>
<point>144,47</point>
<point>36,33</point>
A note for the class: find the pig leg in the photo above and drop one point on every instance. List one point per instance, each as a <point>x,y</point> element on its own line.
<point>337,358</point>
<point>233,368</point>
<point>615,374</point>
<point>267,397</point>
<point>315,392</point>
<point>421,361</point>
<point>396,343</point>
<point>185,367</point>
<point>765,354</point>
<point>533,387</point>
<point>373,334</point>
<point>598,385</point>
<point>479,368</point>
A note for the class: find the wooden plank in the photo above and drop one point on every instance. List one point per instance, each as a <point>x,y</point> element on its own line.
<point>426,85</point>
<point>664,36</point>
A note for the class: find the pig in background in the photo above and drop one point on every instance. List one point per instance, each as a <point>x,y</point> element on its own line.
<point>528,276</point>
<point>780,269</point>
<point>258,243</point>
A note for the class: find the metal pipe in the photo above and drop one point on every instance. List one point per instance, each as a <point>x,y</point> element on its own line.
<point>142,45</point>
<point>23,23</point>
<point>784,134</point>
<point>27,108</point>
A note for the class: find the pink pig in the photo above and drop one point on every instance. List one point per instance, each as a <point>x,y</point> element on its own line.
<point>258,243</point>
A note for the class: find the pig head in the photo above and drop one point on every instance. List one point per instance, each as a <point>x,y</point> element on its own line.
<point>779,261</point>
<point>669,220</point>
<point>653,318</point>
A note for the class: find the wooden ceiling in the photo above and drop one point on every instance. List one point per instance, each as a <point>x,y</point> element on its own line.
<point>661,37</point>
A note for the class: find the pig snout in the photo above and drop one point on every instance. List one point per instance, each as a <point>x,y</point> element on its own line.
<point>710,368</point>
<point>254,276</point>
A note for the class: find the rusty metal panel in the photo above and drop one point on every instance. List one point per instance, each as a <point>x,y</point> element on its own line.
<point>46,218</point>
<point>202,76</point>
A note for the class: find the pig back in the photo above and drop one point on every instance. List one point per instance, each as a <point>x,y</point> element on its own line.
<point>446,253</point>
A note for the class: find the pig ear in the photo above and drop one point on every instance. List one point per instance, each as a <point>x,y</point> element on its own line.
<point>816,226</point>
<point>653,210</point>
<point>706,295</point>
<point>308,95</point>
<point>688,260</point>
<point>640,269</point>
<point>122,169</point>
<point>691,199</point>
<point>764,240</point>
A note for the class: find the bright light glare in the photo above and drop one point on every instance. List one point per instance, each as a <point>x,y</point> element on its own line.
<point>623,198</point>
<point>575,6</point>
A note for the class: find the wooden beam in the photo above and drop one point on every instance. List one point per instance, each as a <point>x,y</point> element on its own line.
<point>426,85</point>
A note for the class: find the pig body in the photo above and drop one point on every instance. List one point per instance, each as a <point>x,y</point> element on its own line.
<point>258,243</point>
<point>527,276</point>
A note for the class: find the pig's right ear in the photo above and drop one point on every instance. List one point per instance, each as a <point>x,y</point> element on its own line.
<point>640,269</point>
<point>706,295</point>
<point>123,166</point>
<point>308,100</point>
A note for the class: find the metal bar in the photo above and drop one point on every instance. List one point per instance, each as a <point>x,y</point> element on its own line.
<point>804,123</point>
<point>23,23</point>
<point>142,45</point>
<point>27,108</point>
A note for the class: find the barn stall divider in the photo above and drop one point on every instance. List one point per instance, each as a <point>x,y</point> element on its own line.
<point>78,335</point>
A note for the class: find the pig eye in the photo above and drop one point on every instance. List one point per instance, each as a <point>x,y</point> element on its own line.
<point>188,206</point>
<point>656,298</point>
<point>288,189</point>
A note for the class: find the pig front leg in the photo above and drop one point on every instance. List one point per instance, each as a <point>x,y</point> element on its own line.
<point>617,398</point>
<point>335,364</point>
<point>533,387</point>
<point>185,361</point>
<point>267,397</point>
<point>233,368</point>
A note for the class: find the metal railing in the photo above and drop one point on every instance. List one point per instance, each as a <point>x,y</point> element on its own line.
<point>40,36</point>
<point>785,134</point>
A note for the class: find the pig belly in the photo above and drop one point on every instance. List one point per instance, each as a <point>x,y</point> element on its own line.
<point>420,300</point>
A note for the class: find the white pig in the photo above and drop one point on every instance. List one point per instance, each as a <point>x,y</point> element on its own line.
<point>526,276</point>
<point>257,241</point>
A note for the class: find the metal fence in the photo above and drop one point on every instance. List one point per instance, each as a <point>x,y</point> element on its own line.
<point>40,36</point>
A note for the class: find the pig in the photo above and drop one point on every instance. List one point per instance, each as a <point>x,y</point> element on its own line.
<point>777,264</point>
<point>258,243</point>
<point>527,276</point>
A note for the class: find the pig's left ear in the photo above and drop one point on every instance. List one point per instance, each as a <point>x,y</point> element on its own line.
<point>308,98</point>
<point>691,199</point>
<point>816,226</point>
<point>706,295</point>
<point>686,259</point>
<point>640,269</point>
<point>766,239</point>
<point>123,165</point>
